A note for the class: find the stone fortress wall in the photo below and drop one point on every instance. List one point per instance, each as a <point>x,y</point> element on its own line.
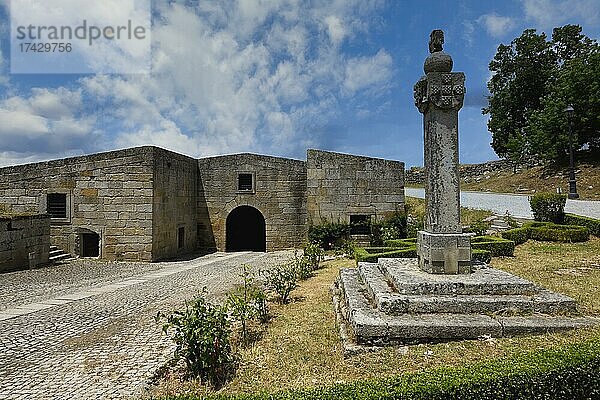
<point>109,194</point>
<point>341,185</point>
<point>24,241</point>
<point>148,204</point>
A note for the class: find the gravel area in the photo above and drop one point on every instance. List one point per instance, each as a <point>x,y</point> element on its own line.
<point>516,205</point>
<point>106,346</point>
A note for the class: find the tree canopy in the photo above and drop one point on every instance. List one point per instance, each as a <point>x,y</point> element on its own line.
<point>533,80</point>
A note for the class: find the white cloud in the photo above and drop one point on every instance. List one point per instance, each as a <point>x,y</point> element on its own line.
<point>368,72</point>
<point>496,25</point>
<point>228,76</point>
<point>335,29</point>
<point>548,14</point>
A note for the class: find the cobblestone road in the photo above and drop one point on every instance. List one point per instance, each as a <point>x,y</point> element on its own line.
<point>92,334</point>
<point>516,205</point>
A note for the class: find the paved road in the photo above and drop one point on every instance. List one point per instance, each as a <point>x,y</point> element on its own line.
<point>517,205</point>
<point>92,334</point>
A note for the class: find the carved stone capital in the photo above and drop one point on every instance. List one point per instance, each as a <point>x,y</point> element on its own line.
<point>444,90</point>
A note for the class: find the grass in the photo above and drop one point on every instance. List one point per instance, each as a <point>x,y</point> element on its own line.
<point>301,347</point>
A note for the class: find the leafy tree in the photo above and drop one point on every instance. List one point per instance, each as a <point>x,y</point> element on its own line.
<point>533,80</point>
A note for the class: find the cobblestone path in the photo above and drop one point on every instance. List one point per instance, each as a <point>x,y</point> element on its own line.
<point>95,337</point>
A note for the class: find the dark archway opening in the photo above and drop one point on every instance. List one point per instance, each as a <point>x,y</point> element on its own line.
<point>89,245</point>
<point>245,230</point>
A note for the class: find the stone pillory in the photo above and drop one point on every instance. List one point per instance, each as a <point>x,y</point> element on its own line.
<point>442,248</point>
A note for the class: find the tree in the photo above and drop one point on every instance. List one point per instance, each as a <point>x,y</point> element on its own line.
<point>533,80</point>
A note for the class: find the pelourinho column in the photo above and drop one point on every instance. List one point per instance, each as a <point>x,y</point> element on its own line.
<point>442,248</point>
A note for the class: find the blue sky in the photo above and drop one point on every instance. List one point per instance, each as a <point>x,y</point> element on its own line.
<point>275,77</point>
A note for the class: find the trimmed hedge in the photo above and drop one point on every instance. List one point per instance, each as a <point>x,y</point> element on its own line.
<point>495,245</point>
<point>548,232</point>
<point>560,233</point>
<point>592,224</point>
<point>517,235</point>
<point>484,256</point>
<point>564,373</point>
<point>372,254</point>
<point>548,207</point>
<point>401,243</point>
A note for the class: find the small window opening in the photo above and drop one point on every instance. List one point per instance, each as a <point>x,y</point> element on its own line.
<point>360,224</point>
<point>180,237</point>
<point>57,205</point>
<point>245,182</point>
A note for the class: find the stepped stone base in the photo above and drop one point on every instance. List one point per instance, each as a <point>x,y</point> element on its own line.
<point>395,302</point>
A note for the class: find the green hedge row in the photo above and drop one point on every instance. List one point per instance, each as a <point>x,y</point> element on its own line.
<point>559,233</point>
<point>517,235</point>
<point>372,254</point>
<point>495,245</point>
<point>482,255</point>
<point>592,224</point>
<point>400,243</point>
<point>547,232</point>
<point>565,373</point>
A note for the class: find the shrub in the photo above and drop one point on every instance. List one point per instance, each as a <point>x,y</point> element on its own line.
<point>248,301</point>
<point>496,246</point>
<point>328,235</point>
<point>592,224</point>
<point>201,334</point>
<point>517,235</point>
<point>484,256</point>
<point>559,233</point>
<point>302,267</point>
<point>548,207</point>
<point>282,280</point>
<point>478,227</point>
<point>313,254</point>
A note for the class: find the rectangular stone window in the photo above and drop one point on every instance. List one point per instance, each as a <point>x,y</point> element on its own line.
<point>181,237</point>
<point>245,182</point>
<point>57,205</point>
<point>360,224</point>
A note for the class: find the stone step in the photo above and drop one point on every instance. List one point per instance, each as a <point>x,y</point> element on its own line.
<point>408,279</point>
<point>373,326</point>
<point>387,300</point>
<point>59,257</point>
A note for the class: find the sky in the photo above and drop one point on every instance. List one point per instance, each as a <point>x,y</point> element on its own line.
<point>274,77</point>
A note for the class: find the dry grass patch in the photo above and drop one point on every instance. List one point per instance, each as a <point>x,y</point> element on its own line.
<point>301,347</point>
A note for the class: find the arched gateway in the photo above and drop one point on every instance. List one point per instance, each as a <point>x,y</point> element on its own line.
<point>245,230</point>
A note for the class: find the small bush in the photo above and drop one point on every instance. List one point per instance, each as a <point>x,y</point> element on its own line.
<point>478,227</point>
<point>496,246</point>
<point>248,301</point>
<point>484,256</point>
<point>282,280</point>
<point>548,207</point>
<point>313,254</point>
<point>302,267</point>
<point>559,233</point>
<point>517,235</point>
<point>328,235</point>
<point>592,224</point>
<point>201,333</point>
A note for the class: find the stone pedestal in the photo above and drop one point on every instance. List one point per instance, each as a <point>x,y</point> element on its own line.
<point>444,253</point>
<point>441,248</point>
